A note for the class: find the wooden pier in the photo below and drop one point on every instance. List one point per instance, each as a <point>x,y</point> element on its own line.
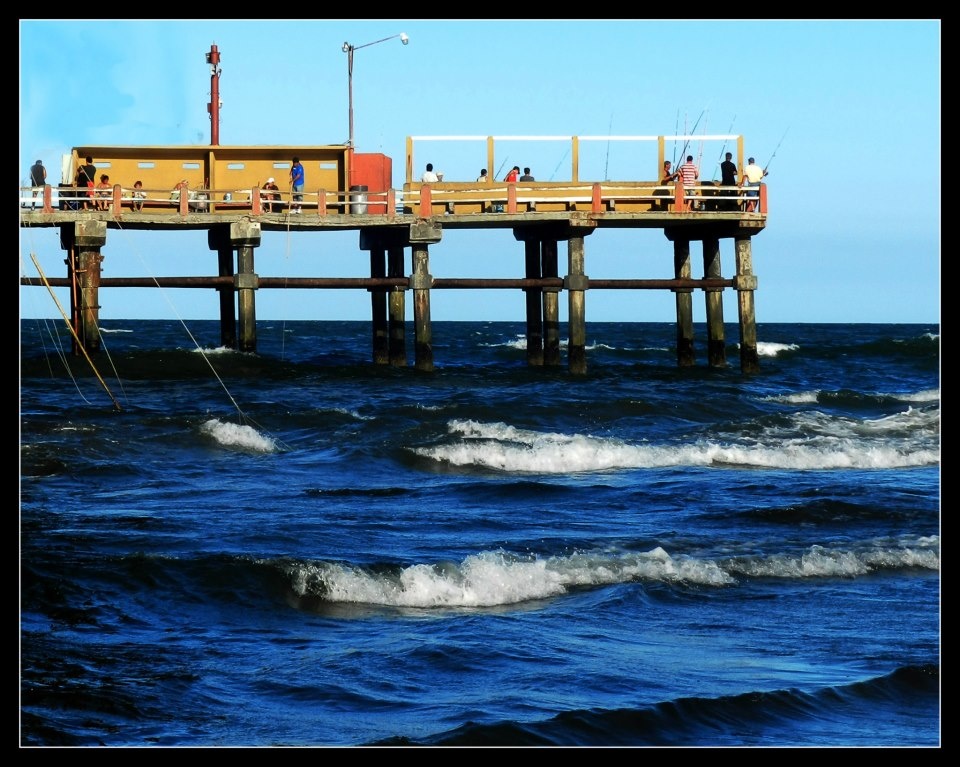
<point>224,196</point>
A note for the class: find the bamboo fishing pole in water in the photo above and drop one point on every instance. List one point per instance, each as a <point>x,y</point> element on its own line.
<point>116,405</point>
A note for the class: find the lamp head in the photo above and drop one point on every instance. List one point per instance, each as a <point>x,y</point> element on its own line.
<point>403,38</point>
<point>346,47</point>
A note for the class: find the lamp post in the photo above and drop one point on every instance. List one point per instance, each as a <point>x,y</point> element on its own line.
<point>349,49</point>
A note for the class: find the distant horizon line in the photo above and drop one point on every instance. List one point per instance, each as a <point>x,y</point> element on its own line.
<point>520,320</point>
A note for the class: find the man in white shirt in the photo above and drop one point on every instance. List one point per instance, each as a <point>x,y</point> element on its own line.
<point>429,177</point>
<point>752,176</point>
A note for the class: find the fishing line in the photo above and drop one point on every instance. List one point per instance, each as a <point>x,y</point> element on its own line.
<point>244,418</point>
<point>775,151</point>
<point>56,343</point>
<point>683,152</point>
<point>564,157</point>
<point>676,130</point>
<point>103,383</point>
<point>723,149</point>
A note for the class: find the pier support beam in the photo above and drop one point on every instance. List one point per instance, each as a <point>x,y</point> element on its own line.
<point>245,236</point>
<point>397,309</point>
<point>683,270</point>
<point>422,235</point>
<point>387,307</point>
<point>83,268</point>
<point>576,283</point>
<point>378,308</point>
<point>534,310</point>
<point>218,239</point>
<point>420,282</point>
<point>746,284</point>
<point>716,343</point>
<point>551,305</point>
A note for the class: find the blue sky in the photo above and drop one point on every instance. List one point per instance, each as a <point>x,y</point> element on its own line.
<point>846,113</point>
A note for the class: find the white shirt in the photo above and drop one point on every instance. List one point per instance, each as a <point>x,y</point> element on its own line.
<point>429,177</point>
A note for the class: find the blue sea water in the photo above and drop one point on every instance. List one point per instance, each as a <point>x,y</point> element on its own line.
<point>296,547</point>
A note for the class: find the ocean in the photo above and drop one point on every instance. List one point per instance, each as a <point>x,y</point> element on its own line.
<point>298,548</point>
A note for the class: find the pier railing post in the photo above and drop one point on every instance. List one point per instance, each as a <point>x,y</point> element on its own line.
<point>426,202</point>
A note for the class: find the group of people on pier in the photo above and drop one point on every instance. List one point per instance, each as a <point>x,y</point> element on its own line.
<point>98,195</point>
<point>690,176</point>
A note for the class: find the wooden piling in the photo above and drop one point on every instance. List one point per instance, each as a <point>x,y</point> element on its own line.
<point>551,304</point>
<point>218,239</point>
<point>534,315</point>
<point>716,344</point>
<point>576,284</point>
<point>746,284</point>
<point>684,301</point>
<point>378,309</point>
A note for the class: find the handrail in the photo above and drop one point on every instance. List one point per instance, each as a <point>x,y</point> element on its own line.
<point>418,197</point>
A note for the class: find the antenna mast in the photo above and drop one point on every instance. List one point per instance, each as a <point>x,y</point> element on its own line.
<point>213,59</point>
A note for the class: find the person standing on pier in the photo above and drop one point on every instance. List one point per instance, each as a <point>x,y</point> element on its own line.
<point>668,176</point>
<point>752,176</point>
<point>38,177</point>
<point>86,177</point>
<point>526,175</point>
<point>513,175</point>
<point>429,177</point>
<point>728,177</point>
<point>690,176</point>
<point>483,178</point>
<point>297,177</point>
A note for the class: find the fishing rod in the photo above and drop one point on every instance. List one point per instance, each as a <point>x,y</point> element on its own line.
<point>693,130</point>
<point>775,151</point>
<point>724,149</point>
<point>676,130</point>
<point>700,153</point>
<point>116,405</point>
<point>497,174</point>
<point>564,157</point>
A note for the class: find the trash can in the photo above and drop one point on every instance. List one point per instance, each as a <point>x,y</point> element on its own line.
<point>358,199</point>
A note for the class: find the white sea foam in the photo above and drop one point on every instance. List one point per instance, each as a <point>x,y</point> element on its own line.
<point>493,578</point>
<point>235,435</point>
<point>217,350</point>
<point>810,441</point>
<point>819,562</point>
<point>798,398</point>
<point>928,395</point>
<point>807,397</point>
<point>771,349</point>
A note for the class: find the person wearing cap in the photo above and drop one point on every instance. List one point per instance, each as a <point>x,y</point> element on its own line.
<point>271,199</point>
<point>752,176</point>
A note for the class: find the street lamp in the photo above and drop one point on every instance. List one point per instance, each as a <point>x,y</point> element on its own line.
<point>349,49</point>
